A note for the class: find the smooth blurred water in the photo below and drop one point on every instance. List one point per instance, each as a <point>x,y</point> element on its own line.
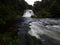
<point>46,30</point>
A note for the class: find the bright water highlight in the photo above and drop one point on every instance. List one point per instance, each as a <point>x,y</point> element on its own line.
<point>47,30</point>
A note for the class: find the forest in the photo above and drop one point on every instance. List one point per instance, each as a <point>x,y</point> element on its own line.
<point>12,10</point>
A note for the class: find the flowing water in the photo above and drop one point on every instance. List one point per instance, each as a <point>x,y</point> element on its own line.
<point>46,30</point>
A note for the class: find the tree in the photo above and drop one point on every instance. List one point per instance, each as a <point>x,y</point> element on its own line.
<point>47,8</point>
<point>40,10</point>
<point>10,10</point>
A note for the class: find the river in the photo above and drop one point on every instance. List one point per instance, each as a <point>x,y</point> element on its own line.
<point>45,30</point>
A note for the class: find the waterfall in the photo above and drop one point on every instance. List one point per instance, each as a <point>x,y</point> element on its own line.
<point>23,27</point>
<point>46,30</point>
<point>28,13</point>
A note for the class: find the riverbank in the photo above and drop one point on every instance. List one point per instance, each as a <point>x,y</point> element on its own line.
<point>9,35</point>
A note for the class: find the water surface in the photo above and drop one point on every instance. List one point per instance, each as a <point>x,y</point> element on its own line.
<point>46,30</point>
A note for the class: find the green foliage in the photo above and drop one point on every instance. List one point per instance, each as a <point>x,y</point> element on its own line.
<point>43,13</point>
<point>47,8</point>
<point>7,39</point>
<point>11,9</point>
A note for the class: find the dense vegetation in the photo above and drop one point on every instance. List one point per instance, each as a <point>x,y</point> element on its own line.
<point>11,10</point>
<point>47,8</point>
